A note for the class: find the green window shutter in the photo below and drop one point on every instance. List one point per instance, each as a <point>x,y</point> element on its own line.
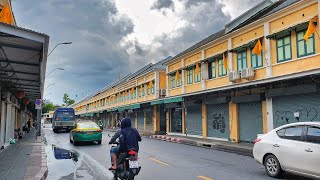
<point>305,48</point>
<point>284,52</point>
<point>242,60</point>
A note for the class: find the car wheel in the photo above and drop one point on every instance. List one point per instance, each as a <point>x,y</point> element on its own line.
<point>75,143</point>
<point>71,140</point>
<point>99,142</point>
<point>272,166</point>
<point>54,130</point>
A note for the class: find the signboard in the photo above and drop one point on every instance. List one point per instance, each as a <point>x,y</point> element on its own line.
<point>38,104</point>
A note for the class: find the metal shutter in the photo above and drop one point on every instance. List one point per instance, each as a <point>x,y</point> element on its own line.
<point>149,120</point>
<point>140,120</point>
<point>307,106</point>
<point>194,120</point>
<point>218,120</point>
<point>176,120</point>
<point>250,120</point>
<point>163,123</point>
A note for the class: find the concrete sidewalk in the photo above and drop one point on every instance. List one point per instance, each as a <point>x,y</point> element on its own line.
<point>238,148</point>
<point>24,160</point>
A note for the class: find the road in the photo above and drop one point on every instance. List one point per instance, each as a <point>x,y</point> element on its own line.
<point>159,160</point>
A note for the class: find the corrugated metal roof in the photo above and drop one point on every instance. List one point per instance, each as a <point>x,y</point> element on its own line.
<point>201,43</point>
<point>24,29</point>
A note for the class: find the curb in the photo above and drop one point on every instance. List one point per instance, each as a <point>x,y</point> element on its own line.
<point>216,146</point>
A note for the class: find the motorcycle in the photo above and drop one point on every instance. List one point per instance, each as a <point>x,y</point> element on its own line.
<point>127,164</point>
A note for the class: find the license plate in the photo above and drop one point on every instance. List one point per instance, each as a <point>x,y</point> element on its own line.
<point>89,132</point>
<point>133,164</point>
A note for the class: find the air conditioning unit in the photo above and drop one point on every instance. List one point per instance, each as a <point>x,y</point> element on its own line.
<point>233,76</point>
<point>163,92</point>
<point>247,73</point>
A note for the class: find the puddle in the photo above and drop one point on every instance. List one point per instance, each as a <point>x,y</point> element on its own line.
<point>66,164</point>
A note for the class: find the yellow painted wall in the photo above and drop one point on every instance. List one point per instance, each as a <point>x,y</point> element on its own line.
<point>298,16</point>
<point>193,88</point>
<point>192,59</point>
<point>247,37</point>
<point>176,91</point>
<point>175,66</point>
<point>234,122</point>
<point>217,82</point>
<point>156,118</point>
<point>219,48</point>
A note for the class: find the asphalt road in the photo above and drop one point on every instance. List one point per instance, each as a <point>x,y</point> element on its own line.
<point>159,160</point>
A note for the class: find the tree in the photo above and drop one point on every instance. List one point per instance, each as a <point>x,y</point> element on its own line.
<point>67,101</point>
<point>49,107</point>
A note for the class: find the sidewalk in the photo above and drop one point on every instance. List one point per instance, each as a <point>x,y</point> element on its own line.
<point>238,148</point>
<point>24,160</point>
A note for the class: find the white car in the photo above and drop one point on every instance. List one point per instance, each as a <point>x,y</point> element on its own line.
<point>293,148</point>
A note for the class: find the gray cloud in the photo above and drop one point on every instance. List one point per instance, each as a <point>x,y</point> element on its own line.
<point>163,6</point>
<point>96,29</point>
<point>203,19</point>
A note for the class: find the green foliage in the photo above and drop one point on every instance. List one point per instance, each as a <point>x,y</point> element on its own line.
<point>49,107</point>
<point>67,101</point>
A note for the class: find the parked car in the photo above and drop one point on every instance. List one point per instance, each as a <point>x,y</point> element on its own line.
<point>86,132</point>
<point>293,148</point>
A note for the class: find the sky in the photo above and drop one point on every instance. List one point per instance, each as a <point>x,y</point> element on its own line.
<point>111,36</point>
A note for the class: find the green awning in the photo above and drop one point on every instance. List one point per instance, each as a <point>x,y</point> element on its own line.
<point>244,47</point>
<point>213,58</point>
<point>112,109</point>
<point>120,109</point>
<point>157,102</point>
<point>173,100</point>
<point>287,31</point>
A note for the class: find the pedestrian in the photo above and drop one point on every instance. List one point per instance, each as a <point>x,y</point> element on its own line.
<point>29,125</point>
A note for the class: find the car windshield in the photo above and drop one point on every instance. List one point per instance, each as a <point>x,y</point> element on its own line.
<point>87,125</point>
<point>67,114</point>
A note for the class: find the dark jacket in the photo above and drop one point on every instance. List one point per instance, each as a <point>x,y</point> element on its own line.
<point>129,136</point>
<point>115,137</point>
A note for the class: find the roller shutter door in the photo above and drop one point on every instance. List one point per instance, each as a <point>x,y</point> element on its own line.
<point>218,120</point>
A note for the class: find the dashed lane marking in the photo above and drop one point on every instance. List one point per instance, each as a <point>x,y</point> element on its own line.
<point>160,162</point>
<point>205,178</point>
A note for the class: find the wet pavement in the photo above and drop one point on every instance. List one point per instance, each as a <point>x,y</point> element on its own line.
<point>64,162</point>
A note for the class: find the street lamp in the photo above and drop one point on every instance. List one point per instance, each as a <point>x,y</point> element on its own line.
<point>49,86</point>
<point>54,70</point>
<point>63,43</point>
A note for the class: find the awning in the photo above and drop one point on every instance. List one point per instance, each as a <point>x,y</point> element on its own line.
<point>133,106</point>
<point>120,109</point>
<point>244,47</point>
<point>213,58</point>
<point>173,100</point>
<point>23,60</point>
<point>111,109</point>
<point>174,71</point>
<point>157,102</point>
<point>282,33</point>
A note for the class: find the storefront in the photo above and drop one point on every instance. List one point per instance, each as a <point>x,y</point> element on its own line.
<point>193,117</point>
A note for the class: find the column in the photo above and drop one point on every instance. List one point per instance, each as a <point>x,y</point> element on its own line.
<point>204,120</point>
<point>183,78</point>
<point>234,122</point>
<point>156,118</point>
<point>267,51</point>
<point>183,120</point>
<point>167,82</point>
<point>269,109</point>
<point>168,120</point>
<point>136,120</point>
<point>144,120</point>
<point>264,117</point>
<point>156,85</point>
<point>204,72</point>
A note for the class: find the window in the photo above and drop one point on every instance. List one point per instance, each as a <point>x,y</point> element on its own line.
<point>152,88</point>
<point>173,80</point>
<point>292,133</point>
<point>284,49</point>
<point>189,76</point>
<point>197,77</point>
<point>143,90</point>
<point>221,71</point>
<point>212,69</point>
<point>256,60</point>
<point>149,90</point>
<point>242,60</point>
<point>313,135</point>
<point>305,48</point>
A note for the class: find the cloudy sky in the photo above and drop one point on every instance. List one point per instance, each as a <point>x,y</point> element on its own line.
<point>118,35</point>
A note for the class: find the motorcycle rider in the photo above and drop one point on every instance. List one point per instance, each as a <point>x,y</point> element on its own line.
<point>129,138</point>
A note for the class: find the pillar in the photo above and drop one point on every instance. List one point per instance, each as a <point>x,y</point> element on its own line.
<point>183,120</point>
<point>264,117</point>
<point>112,120</point>
<point>204,120</point>
<point>156,118</point>
<point>269,110</point>
<point>234,122</point>
<point>168,120</point>
<point>144,120</point>
<point>136,120</point>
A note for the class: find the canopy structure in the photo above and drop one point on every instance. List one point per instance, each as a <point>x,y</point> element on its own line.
<point>23,59</point>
